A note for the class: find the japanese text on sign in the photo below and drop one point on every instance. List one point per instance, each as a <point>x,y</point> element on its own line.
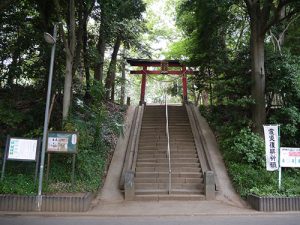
<point>289,157</point>
<point>64,142</point>
<point>22,149</point>
<point>271,146</point>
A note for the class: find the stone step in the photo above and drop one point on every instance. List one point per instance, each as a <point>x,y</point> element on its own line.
<point>164,147</point>
<point>166,180</point>
<point>166,165</point>
<point>162,127</point>
<point>166,174</point>
<point>166,190</point>
<point>152,186</point>
<point>164,150</point>
<point>173,142</point>
<point>164,139</point>
<point>149,161</point>
<point>166,169</point>
<point>145,196</point>
<point>156,149</point>
<point>164,155</point>
<point>163,117</point>
<point>162,135</point>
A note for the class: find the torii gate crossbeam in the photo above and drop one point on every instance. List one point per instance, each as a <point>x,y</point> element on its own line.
<point>160,67</point>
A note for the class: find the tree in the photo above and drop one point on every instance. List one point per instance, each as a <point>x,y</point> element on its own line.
<point>105,8</point>
<point>211,38</point>
<point>263,15</point>
<point>70,47</point>
<point>126,29</point>
<point>205,26</point>
<point>5,3</point>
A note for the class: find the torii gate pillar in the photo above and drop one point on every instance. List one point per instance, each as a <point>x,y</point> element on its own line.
<point>184,84</point>
<point>143,86</point>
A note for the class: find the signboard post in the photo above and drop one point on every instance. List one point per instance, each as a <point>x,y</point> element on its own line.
<point>272,146</point>
<point>21,149</point>
<point>62,142</point>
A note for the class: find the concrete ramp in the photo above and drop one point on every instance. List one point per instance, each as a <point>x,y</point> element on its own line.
<point>225,191</point>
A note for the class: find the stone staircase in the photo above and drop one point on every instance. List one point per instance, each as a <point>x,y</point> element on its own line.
<point>151,174</point>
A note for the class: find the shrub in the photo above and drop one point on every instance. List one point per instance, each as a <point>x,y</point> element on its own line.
<point>244,147</point>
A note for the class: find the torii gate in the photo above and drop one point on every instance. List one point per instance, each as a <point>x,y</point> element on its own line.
<point>163,66</point>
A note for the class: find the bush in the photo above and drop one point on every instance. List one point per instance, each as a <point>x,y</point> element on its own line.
<point>247,179</point>
<point>244,154</point>
<point>98,128</point>
<point>289,118</point>
<point>244,147</point>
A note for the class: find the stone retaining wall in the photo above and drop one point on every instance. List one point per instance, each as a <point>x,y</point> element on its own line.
<point>76,203</point>
<point>272,204</point>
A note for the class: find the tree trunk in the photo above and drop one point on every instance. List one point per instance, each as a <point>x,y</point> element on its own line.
<point>70,51</point>
<point>85,58</point>
<point>111,73</point>
<point>98,75</point>
<point>79,36</point>
<point>67,86</point>
<point>123,80</point>
<point>257,75</point>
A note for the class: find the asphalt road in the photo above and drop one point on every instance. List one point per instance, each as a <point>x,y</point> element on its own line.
<point>269,219</point>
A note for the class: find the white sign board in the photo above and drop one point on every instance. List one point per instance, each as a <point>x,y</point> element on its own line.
<point>289,157</point>
<point>22,149</point>
<point>271,146</point>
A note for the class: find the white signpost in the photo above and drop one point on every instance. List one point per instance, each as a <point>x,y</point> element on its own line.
<point>272,139</point>
<point>276,156</point>
<point>272,146</point>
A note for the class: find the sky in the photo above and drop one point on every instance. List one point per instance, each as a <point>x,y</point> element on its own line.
<point>161,19</point>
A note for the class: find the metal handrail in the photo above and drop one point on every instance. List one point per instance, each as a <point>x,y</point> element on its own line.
<point>169,149</point>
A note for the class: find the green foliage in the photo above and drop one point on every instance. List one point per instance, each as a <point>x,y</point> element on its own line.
<point>289,118</point>
<point>244,147</point>
<point>283,79</point>
<point>204,25</point>
<point>98,126</point>
<point>244,155</point>
<point>247,179</point>
<point>18,184</point>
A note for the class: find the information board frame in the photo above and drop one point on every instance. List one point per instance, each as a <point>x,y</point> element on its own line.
<point>290,157</point>
<point>71,148</point>
<point>6,154</point>
<point>23,159</point>
<point>73,151</point>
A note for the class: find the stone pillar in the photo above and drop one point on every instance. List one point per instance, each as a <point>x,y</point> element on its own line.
<point>129,186</point>
<point>209,185</point>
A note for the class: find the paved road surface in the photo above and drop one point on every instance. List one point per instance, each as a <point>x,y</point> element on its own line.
<point>269,219</point>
